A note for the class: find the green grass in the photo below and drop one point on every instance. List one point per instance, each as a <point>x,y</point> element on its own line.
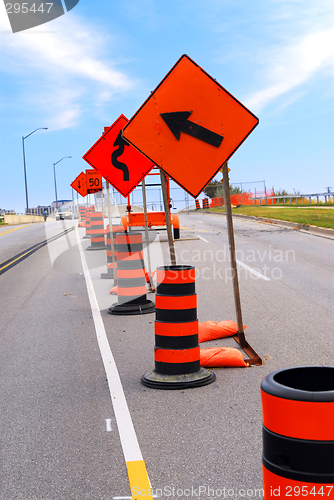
<point>321,217</point>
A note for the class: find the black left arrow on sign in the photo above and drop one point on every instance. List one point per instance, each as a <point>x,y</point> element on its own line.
<point>178,122</point>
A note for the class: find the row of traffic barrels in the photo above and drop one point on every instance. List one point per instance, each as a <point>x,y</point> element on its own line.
<point>297,403</point>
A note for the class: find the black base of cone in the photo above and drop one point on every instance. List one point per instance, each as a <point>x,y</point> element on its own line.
<point>107,276</point>
<point>187,381</point>
<point>96,248</point>
<point>131,309</point>
<point>86,237</point>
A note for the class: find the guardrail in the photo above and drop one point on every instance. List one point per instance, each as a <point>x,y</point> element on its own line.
<point>326,196</point>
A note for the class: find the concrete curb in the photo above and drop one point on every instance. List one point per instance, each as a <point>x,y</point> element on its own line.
<point>305,228</point>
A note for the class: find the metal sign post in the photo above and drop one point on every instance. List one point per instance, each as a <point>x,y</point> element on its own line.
<point>78,207</point>
<point>240,337</point>
<point>167,217</point>
<point>147,238</point>
<point>111,235</point>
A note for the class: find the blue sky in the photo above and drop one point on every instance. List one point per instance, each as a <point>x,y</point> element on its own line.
<point>78,73</point>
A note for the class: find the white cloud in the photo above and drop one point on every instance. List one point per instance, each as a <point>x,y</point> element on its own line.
<point>63,65</point>
<point>300,48</point>
<point>295,64</point>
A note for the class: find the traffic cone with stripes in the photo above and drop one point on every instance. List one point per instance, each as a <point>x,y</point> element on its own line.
<point>89,211</point>
<point>197,205</point>
<point>97,232</point>
<point>82,216</point>
<point>110,265</point>
<point>176,352</point>
<point>131,280</point>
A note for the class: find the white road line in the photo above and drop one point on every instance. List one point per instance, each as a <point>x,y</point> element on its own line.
<point>108,425</point>
<point>253,271</point>
<point>125,426</point>
<point>250,269</point>
<point>201,238</point>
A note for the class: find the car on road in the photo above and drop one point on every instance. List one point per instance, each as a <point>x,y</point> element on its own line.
<point>63,213</point>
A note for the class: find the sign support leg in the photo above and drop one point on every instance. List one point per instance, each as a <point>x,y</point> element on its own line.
<point>240,337</point>
<point>234,270</point>
<point>167,217</point>
<point>102,195</point>
<point>111,235</point>
<point>147,237</point>
<point>78,206</point>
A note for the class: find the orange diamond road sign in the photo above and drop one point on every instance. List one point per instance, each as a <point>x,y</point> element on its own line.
<point>116,160</point>
<point>80,185</point>
<point>189,126</point>
<point>94,181</point>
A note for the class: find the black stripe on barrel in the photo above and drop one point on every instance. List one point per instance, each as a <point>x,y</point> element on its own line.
<point>97,231</point>
<point>111,265</point>
<point>176,350</point>
<point>176,303</point>
<point>129,249</point>
<point>131,281</point>
<point>298,431</point>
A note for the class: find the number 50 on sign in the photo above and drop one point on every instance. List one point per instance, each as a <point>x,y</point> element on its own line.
<point>94,181</point>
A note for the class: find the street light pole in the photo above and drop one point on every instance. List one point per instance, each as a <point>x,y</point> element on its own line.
<point>24,164</point>
<point>54,175</point>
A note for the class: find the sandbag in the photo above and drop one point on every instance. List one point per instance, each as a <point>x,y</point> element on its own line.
<point>210,330</point>
<point>220,357</point>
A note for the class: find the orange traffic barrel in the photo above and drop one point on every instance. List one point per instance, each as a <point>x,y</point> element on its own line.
<point>131,280</point>
<point>82,216</point>
<point>205,202</point>
<point>197,205</point>
<point>176,351</point>
<point>110,265</point>
<point>89,211</point>
<point>97,232</point>
<point>298,432</point>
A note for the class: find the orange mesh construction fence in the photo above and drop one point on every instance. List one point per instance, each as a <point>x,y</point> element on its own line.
<point>245,199</point>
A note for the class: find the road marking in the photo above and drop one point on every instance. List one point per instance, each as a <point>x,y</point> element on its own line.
<point>200,237</point>
<point>17,258</point>
<point>137,473</point>
<point>22,256</point>
<point>108,425</point>
<point>15,229</point>
<point>250,269</point>
<point>253,271</point>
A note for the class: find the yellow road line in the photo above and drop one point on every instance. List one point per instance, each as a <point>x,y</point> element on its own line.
<point>138,479</point>
<point>20,257</point>
<point>15,229</point>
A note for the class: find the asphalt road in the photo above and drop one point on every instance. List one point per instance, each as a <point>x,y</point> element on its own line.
<point>59,433</point>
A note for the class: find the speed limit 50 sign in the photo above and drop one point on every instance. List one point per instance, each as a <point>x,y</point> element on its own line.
<point>94,181</point>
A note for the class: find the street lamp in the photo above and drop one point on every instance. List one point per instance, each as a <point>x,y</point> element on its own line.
<point>54,175</point>
<point>24,164</point>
